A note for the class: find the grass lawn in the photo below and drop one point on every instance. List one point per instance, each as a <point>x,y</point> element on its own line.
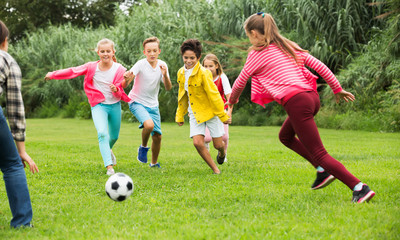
<point>263,191</point>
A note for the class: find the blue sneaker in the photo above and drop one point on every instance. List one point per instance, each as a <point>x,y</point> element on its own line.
<point>157,165</point>
<point>142,154</point>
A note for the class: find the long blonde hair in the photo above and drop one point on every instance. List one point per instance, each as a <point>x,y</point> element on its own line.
<point>265,24</point>
<point>107,41</point>
<point>212,57</point>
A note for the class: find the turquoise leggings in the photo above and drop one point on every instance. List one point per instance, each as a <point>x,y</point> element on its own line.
<point>107,120</point>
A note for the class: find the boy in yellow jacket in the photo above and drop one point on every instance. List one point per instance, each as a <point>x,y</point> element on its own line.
<point>199,97</point>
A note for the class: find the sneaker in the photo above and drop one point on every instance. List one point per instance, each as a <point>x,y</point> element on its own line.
<point>110,171</point>
<point>220,160</point>
<point>142,154</point>
<point>113,159</point>
<point>323,179</point>
<point>157,165</point>
<point>365,194</point>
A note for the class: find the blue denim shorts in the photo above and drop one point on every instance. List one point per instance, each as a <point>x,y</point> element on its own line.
<point>143,113</point>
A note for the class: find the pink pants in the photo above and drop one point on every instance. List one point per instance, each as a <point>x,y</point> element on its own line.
<point>301,110</point>
<point>225,137</point>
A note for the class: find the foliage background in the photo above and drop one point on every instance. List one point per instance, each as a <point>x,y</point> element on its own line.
<point>352,37</point>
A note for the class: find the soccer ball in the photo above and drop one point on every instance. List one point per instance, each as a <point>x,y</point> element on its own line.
<point>119,187</point>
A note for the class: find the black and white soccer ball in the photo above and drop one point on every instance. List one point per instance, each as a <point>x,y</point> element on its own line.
<point>119,187</point>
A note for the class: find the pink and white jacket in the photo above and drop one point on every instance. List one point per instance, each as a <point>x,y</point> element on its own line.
<point>88,69</point>
<point>276,77</point>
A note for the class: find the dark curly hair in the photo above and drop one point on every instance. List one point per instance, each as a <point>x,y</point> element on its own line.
<point>192,45</point>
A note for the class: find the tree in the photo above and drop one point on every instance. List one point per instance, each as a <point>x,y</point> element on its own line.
<point>22,16</point>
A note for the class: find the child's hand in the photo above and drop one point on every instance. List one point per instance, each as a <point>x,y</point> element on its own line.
<point>128,76</point>
<point>163,69</point>
<point>230,109</point>
<point>113,88</point>
<point>229,121</point>
<point>180,123</point>
<point>47,77</point>
<point>347,96</point>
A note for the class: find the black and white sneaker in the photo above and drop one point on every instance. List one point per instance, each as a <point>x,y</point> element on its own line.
<point>365,194</point>
<point>221,160</point>
<point>323,179</point>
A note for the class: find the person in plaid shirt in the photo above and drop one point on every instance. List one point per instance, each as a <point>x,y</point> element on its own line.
<point>12,153</point>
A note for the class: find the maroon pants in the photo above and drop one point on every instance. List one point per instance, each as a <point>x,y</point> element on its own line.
<point>301,110</point>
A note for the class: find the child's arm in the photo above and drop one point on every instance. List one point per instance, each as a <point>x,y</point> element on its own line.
<point>128,77</point>
<point>226,86</point>
<point>329,77</point>
<point>67,73</point>
<point>324,72</point>
<point>167,81</point>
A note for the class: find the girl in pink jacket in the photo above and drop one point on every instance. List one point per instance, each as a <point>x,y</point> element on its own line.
<point>277,69</point>
<point>102,85</point>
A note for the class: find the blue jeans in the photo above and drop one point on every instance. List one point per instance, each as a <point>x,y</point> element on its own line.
<point>107,120</point>
<point>14,177</point>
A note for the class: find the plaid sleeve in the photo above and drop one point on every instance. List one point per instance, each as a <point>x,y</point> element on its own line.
<point>15,104</point>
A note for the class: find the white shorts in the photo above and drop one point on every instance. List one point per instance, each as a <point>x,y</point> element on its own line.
<point>215,126</point>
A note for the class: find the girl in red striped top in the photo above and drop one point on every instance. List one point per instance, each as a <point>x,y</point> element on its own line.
<point>277,69</point>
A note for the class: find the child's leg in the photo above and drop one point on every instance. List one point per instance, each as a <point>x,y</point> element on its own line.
<point>198,142</point>
<point>207,136</point>
<point>148,127</point>
<point>114,122</point>
<point>155,147</point>
<point>225,138</point>
<point>301,110</point>
<point>219,145</point>
<point>216,128</point>
<point>100,119</point>
<point>288,138</point>
<point>156,133</point>
<point>143,116</point>
<point>197,132</point>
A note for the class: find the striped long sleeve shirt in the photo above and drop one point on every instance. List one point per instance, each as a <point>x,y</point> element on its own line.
<point>274,75</point>
<point>10,82</point>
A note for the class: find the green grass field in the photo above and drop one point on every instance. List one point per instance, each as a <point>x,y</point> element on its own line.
<point>263,191</point>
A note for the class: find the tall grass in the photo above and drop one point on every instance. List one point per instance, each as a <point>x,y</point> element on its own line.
<point>332,30</point>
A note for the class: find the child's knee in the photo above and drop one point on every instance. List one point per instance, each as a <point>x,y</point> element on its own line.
<point>198,143</point>
<point>207,139</point>
<point>219,145</point>
<point>148,124</point>
<point>102,136</point>
<point>284,139</point>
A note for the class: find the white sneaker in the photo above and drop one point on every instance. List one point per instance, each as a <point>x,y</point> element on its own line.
<point>110,171</point>
<point>113,159</point>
